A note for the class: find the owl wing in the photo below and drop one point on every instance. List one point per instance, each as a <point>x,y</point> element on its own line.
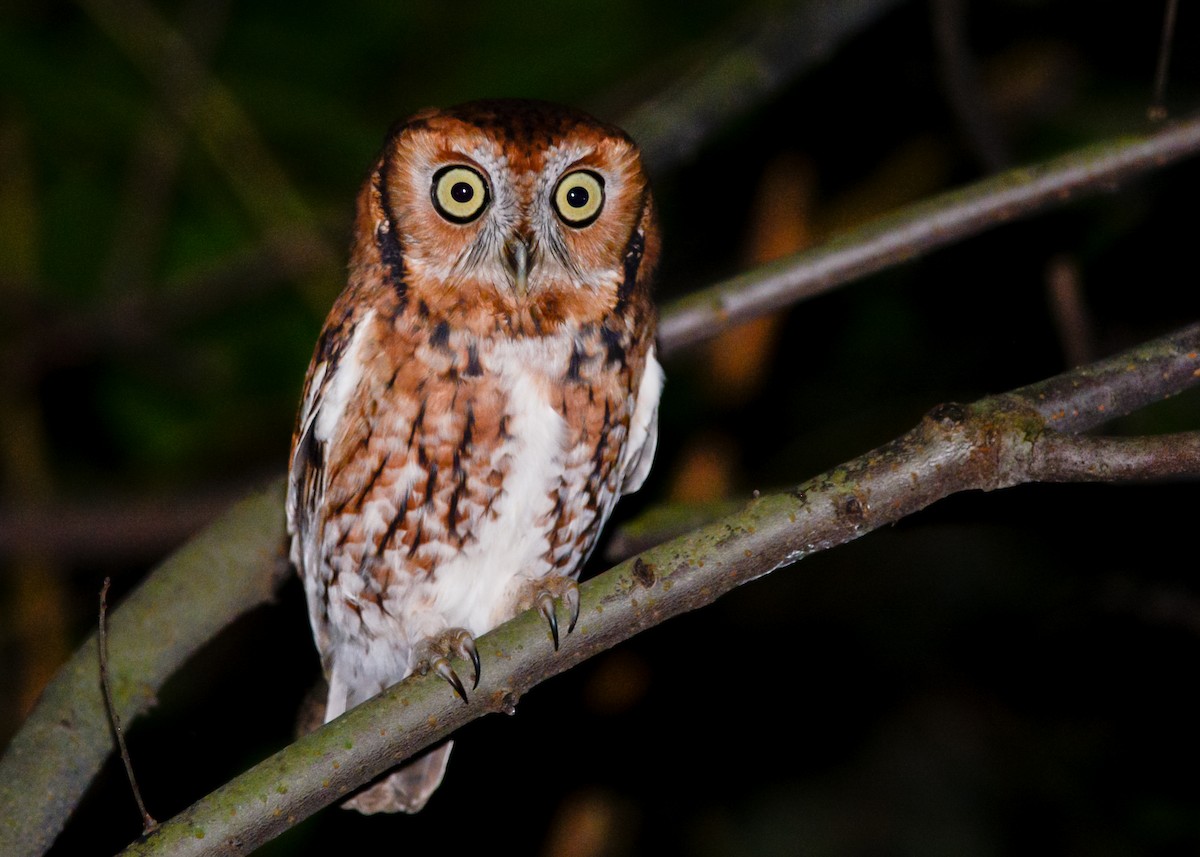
<point>643,427</point>
<point>332,379</point>
<point>307,465</point>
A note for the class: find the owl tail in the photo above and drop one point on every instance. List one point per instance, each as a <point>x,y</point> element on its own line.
<point>407,788</point>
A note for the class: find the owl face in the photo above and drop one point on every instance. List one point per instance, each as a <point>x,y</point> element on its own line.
<point>513,210</point>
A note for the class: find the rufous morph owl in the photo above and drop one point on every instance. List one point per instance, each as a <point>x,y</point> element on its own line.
<point>482,392</point>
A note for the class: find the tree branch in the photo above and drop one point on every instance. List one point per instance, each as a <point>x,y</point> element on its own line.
<point>997,442</point>
<point>114,527</point>
<point>1091,395</point>
<point>56,336</point>
<point>916,230</point>
<point>231,567</point>
<point>1109,459</point>
<point>47,767</point>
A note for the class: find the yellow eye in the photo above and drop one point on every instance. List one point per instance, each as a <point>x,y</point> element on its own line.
<point>579,197</point>
<point>459,193</point>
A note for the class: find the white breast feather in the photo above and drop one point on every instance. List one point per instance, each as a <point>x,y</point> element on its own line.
<point>474,589</point>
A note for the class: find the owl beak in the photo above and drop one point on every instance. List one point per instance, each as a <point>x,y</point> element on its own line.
<point>516,257</point>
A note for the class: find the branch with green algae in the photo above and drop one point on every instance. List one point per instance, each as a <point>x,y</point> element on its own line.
<point>994,443</point>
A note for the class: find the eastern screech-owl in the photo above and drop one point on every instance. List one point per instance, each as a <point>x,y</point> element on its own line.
<point>482,392</point>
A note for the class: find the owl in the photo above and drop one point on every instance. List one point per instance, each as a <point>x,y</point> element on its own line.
<point>483,391</point>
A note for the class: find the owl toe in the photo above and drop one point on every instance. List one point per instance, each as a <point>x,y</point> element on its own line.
<point>434,655</point>
<point>545,595</point>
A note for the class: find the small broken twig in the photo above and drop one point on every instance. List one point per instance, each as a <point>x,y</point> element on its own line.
<point>149,825</point>
<point>1158,107</point>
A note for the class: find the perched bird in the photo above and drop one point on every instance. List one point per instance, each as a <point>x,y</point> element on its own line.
<point>482,392</point>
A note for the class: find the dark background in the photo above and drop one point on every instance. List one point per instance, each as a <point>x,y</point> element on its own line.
<point>1007,673</point>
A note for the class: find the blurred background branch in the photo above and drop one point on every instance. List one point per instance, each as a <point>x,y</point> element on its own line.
<point>739,72</point>
<point>912,232</point>
<point>212,113</point>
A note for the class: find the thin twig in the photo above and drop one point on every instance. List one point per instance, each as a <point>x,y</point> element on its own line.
<point>1158,107</point>
<point>114,527</point>
<point>155,157</point>
<point>1069,309</point>
<point>149,825</point>
<point>141,321</point>
<point>962,87</point>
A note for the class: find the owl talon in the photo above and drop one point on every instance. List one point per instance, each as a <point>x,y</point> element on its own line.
<point>434,654</point>
<point>544,596</point>
<point>570,598</point>
<point>545,606</point>
<point>468,652</point>
<point>442,667</point>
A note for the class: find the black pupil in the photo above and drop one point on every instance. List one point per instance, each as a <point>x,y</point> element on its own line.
<point>577,197</point>
<point>462,192</point>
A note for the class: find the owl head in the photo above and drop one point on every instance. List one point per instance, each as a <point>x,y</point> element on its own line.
<point>514,214</point>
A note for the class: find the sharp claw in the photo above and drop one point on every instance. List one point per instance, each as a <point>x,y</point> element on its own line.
<point>442,667</point>
<point>468,650</point>
<point>571,598</point>
<point>545,603</point>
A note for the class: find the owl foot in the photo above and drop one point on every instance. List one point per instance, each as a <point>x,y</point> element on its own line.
<point>543,594</point>
<point>434,654</point>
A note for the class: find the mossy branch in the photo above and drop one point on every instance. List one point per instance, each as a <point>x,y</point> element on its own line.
<point>996,442</point>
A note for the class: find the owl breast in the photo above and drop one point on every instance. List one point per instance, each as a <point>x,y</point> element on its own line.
<point>456,473</point>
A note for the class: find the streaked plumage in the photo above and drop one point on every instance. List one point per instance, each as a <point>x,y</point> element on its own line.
<point>483,391</point>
